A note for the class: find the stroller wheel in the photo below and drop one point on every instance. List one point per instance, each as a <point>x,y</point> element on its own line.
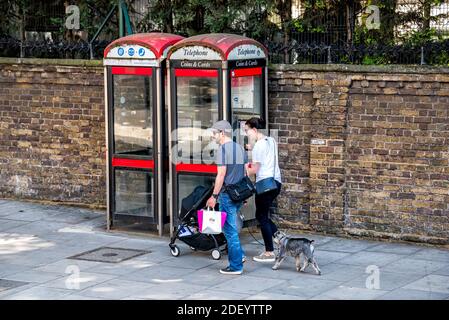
<point>216,254</point>
<point>175,251</point>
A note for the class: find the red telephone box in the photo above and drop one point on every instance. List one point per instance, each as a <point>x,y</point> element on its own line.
<point>136,129</point>
<point>212,77</point>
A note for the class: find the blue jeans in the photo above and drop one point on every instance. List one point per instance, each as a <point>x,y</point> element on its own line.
<point>235,252</point>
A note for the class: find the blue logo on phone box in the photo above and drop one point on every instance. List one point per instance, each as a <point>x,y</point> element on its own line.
<point>141,52</point>
<point>131,51</point>
<point>120,51</point>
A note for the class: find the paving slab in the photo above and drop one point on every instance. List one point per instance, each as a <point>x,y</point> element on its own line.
<point>443,271</point>
<point>18,289</point>
<point>432,283</point>
<point>268,296</point>
<point>77,297</point>
<point>159,274</point>
<point>78,281</point>
<point>207,277</point>
<point>32,215</point>
<point>349,293</point>
<point>408,294</point>
<point>410,265</point>
<point>397,248</point>
<point>346,245</point>
<point>34,276</point>
<point>191,261</point>
<point>370,258</point>
<point>325,257</point>
<point>6,224</point>
<point>387,280</point>
<point>35,248</point>
<point>7,284</point>
<point>209,294</point>
<point>64,265</point>
<point>7,269</point>
<point>115,289</point>
<point>305,287</point>
<point>247,284</point>
<point>169,291</point>
<point>432,254</point>
<point>287,271</point>
<point>121,268</point>
<point>341,272</point>
<point>38,293</point>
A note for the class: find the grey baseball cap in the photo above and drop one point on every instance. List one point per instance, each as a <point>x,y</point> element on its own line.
<point>222,125</point>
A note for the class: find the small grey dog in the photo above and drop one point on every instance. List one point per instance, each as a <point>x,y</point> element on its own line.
<point>295,247</point>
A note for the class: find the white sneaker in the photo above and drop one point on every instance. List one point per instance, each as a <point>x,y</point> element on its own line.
<point>265,258</point>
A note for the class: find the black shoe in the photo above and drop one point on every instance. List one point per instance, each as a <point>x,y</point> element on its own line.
<point>228,270</point>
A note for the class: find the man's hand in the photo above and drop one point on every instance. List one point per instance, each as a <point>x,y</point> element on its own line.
<point>211,202</point>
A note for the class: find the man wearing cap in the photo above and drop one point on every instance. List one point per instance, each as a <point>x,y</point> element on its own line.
<point>231,159</point>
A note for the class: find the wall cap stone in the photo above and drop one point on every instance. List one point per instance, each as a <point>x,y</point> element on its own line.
<point>407,69</point>
<point>58,62</point>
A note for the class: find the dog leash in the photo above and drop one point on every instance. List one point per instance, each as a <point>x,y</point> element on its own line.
<point>255,238</point>
<point>277,226</point>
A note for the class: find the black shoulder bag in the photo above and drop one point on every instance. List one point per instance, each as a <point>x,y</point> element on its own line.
<point>241,190</point>
<point>268,184</point>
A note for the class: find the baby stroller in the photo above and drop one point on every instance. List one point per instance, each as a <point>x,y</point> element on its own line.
<point>188,231</point>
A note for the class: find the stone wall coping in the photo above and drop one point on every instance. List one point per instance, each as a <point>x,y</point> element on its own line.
<point>396,69</point>
<point>58,62</point>
<point>404,69</point>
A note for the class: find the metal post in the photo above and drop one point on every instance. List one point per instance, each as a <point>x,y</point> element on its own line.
<point>129,29</point>
<point>422,56</point>
<point>99,30</point>
<point>329,59</point>
<point>158,170</point>
<point>120,19</point>
<point>171,174</point>
<point>22,32</point>
<point>91,54</point>
<point>106,110</point>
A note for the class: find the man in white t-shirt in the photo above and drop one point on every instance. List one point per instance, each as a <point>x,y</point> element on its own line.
<point>264,165</point>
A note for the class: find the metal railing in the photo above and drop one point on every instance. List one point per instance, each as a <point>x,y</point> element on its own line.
<point>351,32</point>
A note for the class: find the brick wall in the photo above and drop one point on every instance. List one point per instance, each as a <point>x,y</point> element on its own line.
<point>52,132</point>
<point>364,150</point>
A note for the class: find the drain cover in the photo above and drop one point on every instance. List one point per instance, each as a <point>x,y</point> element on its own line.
<point>10,284</point>
<point>110,255</point>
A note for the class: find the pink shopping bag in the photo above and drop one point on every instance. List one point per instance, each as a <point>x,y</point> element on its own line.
<point>210,221</point>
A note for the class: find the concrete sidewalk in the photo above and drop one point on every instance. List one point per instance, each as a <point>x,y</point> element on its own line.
<point>38,241</point>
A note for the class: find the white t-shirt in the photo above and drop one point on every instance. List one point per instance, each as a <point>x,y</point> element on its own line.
<point>265,152</point>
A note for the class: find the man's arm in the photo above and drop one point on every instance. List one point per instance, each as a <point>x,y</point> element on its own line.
<point>219,180</point>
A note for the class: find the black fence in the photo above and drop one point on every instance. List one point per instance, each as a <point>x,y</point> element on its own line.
<point>11,47</point>
<point>429,53</point>
<point>348,32</point>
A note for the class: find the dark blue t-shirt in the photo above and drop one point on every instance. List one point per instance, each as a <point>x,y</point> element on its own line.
<point>234,157</point>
